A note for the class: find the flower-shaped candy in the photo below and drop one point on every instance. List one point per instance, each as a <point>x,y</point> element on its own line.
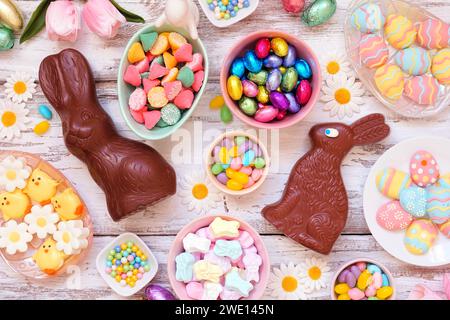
<point>14,237</point>
<point>42,220</point>
<point>13,173</point>
<point>71,237</point>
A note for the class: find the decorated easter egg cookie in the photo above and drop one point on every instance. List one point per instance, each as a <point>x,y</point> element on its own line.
<point>433,34</point>
<point>441,66</point>
<point>390,81</point>
<point>423,168</point>
<point>391,182</point>
<point>420,236</point>
<point>373,51</point>
<point>392,217</point>
<point>414,201</point>
<point>414,61</point>
<point>438,204</point>
<point>399,31</point>
<point>445,228</point>
<point>367,18</point>
<point>422,89</point>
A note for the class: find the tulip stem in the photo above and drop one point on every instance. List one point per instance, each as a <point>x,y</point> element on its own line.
<point>37,21</point>
<point>129,16</point>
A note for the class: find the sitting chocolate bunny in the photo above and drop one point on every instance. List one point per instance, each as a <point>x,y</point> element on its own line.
<point>132,174</point>
<point>314,206</point>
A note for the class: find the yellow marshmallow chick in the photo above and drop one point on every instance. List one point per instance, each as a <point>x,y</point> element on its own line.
<point>68,205</point>
<point>40,187</point>
<point>14,205</point>
<point>48,258</point>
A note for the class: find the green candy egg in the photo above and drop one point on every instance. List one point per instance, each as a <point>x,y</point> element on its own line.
<point>248,106</point>
<point>225,114</point>
<point>289,80</point>
<point>259,163</point>
<point>318,12</point>
<point>239,140</point>
<point>216,169</point>
<point>6,38</point>
<point>263,95</point>
<point>186,76</point>
<point>259,78</point>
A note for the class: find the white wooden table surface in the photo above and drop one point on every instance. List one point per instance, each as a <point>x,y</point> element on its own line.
<point>159,224</point>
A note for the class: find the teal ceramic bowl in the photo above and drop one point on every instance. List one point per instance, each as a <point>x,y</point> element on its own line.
<point>124,89</point>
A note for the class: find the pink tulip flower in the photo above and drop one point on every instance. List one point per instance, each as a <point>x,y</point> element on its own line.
<point>102,18</point>
<point>62,21</point>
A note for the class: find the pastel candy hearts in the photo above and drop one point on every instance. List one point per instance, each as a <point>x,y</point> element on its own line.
<point>204,270</point>
<point>423,89</point>
<point>194,290</point>
<point>184,266</point>
<point>228,248</point>
<point>184,99</point>
<point>223,262</point>
<point>194,243</point>
<point>223,228</point>
<point>424,169</point>
<point>392,217</point>
<point>211,291</point>
<point>233,281</point>
<point>414,201</point>
<point>252,262</point>
<point>438,204</point>
<point>132,76</point>
<point>420,236</point>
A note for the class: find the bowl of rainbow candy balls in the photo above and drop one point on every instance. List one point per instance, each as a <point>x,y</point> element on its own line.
<point>162,75</point>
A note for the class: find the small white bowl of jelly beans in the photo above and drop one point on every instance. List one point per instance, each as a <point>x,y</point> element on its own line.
<point>126,264</point>
<point>237,163</point>
<point>363,279</point>
<point>224,13</point>
<point>218,258</point>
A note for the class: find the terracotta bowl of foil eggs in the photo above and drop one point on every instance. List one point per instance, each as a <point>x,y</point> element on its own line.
<point>302,52</point>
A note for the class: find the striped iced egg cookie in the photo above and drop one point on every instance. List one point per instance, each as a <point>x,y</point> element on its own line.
<point>373,51</point>
<point>433,34</point>
<point>422,89</point>
<point>399,31</point>
<point>441,66</point>
<point>414,61</point>
<point>390,81</point>
<point>367,18</point>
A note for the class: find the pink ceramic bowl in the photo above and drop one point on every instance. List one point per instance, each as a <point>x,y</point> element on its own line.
<point>344,266</point>
<point>303,51</point>
<point>177,248</point>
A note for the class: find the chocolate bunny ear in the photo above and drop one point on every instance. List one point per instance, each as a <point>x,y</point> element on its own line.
<point>369,129</point>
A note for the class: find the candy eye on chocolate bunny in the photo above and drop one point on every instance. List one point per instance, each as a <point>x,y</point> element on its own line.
<point>331,132</point>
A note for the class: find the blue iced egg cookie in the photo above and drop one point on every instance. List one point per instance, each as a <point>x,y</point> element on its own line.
<point>367,18</point>
<point>414,61</point>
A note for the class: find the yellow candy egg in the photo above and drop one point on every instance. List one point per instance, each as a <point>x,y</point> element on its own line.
<point>344,297</point>
<point>234,185</point>
<point>224,157</point>
<point>364,280</point>
<point>240,177</point>
<point>384,292</point>
<point>230,173</point>
<point>279,47</point>
<point>234,87</point>
<point>263,95</point>
<point>41,128</point>
<point>234,152</point>
<point>341,288</point>
<point>217,102</point>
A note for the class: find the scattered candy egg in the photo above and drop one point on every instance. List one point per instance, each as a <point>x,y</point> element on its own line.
<point>367,18</point>
<point>318,12</point>
<point>423,89</point>
<point>420,236</point>
<point>41,128</point>
<point>45,112</point>
<point>373,51</point>
<point>424,170</point>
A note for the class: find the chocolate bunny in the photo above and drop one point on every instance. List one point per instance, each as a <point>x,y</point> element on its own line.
<point>132,174</point>
<point>314,206</point>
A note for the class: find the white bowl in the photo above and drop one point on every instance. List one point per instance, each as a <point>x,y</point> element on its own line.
<point>242,14</point>
<point>141,283</point>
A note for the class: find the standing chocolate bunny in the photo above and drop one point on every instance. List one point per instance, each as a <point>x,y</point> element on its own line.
<point>132,174</point>
<point>314,206</point>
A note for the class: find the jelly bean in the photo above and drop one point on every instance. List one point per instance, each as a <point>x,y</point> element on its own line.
<point>240,177</point>
<point>370,291</point>
<point>224,156</point>
<point>384,292</point>
<point>262,95</point>
<point>216,169</point>
<point>236,163</point>
<point>273,80</point>
<point>225,114</point>
<point>356,294</point>
<point>372,298</point>
<point>222,178</point>
<point>41,128</point>
<point>344,296</point>
<point>385,280</point>
<point>372,268</point>
<point>377,280</point>
<point>248,158</point>
<point>259,78</point>
<point>279,47</point>
<point>262,48</point>
<point>246,170</point>
<point>361,266</point>
<point>257,174</point>
<point>341,288</point>
<point>363,280</point>
<point>355,270</point>
<point>290,58</point>
<point>303,69</point>
<point>217,102</point>
<point>45,112</point>
<point>238,67</point>
<point>272,61</point>
<point>248,106</point>
<point>259,163</point>
<point>234,87</point>
<point>342,276</point>
<point>251,62</point>
<point>250,89</point>
<point>234,185</point>
<point>289,80</point>
<point>350,279</point>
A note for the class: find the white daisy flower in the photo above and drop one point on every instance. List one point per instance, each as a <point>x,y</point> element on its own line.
<point>313,274</point>
<point>13,173</point>
<point>42,220</point>
<point>285,283</point>
<point>13,119</point>
<point>342,96</point>
<point>335,65</point>
<point>71,237</point>
<point>198,193</point>
<point>14,237</point>
<point>20,87</point>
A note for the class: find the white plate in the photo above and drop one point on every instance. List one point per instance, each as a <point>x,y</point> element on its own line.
<point>141,283</point>
<point>398,157</point>
<point>242,14</point>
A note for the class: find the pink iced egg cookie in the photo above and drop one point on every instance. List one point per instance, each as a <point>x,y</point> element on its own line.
<point>433,34</point>
<point>422,89</point>
<point>424,169</point>
<point>373,51</point>
<point>392,217</point>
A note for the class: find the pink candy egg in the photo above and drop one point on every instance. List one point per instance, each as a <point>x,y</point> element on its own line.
<point>370,292</point>
<point>362,266</point>
<point>250,89</point>
<point>356,294</point>
<point>377,280</point>
<point>246,170</point>
<point>257,174</point>
<point>304,92</point>
<point>236,163</point>
<point>250,183</point>
<point>266,114</point>
<point>262,48</point>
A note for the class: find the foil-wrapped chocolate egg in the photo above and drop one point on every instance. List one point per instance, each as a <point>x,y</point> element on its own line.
<point>263,94</point>
<point>290,58</point>
<point>289,81</point>
<point>266,114</point>
<point>237,67</point>
<point>279,46</point>
<point>259,78</point>
<point>248,106</point>
<point>250,88</point>
<point>303,93</point>
<point>318,12</point>
<point>251,62</point>
<point>262,48</point>
<point>281,115</point>
<point>273,61</point>
<point>6,38</point>
<point>293,107</point>
<point>278,100</point>
<point>303,69</point>
<point>234,87</point>
<point>273,80</point>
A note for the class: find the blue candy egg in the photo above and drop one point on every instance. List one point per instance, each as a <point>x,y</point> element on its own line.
<point>238,67</point>
<point>251,62</point>
<point>385,280</point>
<point>273,80</point>
<point>293,107</point>
<point>289,59</point>
<point>303,69</point>
<point>45,112</point>
<point>372,268</point>
<point>248,158</point>
<point>273,61</point>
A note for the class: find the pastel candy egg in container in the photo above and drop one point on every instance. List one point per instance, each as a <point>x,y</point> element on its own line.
<point>161,78</point>
<point>270,79</point>
<point>401,52</point>
<point>45,225</point>
<point>218,258</point>
<point>237,163</point>
<point>362,279</point>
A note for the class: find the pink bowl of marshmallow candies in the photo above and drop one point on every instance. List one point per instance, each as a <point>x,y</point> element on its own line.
<point>218,258</point>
